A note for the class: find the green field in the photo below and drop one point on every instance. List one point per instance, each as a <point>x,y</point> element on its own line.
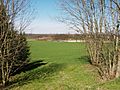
<point>60,66</point>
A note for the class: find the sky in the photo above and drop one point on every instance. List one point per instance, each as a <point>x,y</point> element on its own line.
<point>45,21</point>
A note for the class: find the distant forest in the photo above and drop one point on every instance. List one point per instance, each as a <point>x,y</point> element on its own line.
<point>63,36</point>
<point>55,36</point>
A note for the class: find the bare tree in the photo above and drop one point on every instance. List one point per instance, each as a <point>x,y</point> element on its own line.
<point>98,20</point>
<point>13,45</point>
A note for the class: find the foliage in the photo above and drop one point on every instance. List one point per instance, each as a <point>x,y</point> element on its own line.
<point>14,54</point>
<point>23,55</point>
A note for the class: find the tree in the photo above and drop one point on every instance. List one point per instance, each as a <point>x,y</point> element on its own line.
<point>14,51</point>
<point>98,20</point>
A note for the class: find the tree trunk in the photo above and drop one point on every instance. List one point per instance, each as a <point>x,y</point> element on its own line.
<point>118,66</point>
<point>3,74</point>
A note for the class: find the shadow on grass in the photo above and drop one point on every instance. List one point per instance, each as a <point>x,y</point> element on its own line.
<point>41,74</point>
<point>84,59</point>
<point>30,66</point>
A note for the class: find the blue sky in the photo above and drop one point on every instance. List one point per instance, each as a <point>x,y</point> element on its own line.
<point>45,23</point>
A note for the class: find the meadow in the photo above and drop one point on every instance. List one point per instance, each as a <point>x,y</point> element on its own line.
<point>60,66</point>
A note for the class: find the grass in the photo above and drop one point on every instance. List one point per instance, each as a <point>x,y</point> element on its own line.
<point>60,66</point>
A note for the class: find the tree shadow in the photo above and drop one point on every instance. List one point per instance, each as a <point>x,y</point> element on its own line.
<point>43,73</point>
<point>29,66</point>
<point>84,59</point>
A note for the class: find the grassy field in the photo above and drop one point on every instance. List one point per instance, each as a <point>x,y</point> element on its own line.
<point>60,66</point>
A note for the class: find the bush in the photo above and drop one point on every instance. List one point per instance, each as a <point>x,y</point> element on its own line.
<point>14,54</point>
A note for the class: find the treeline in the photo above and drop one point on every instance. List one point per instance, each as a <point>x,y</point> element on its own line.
<point>104,36</point>
<point>54,36</point>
